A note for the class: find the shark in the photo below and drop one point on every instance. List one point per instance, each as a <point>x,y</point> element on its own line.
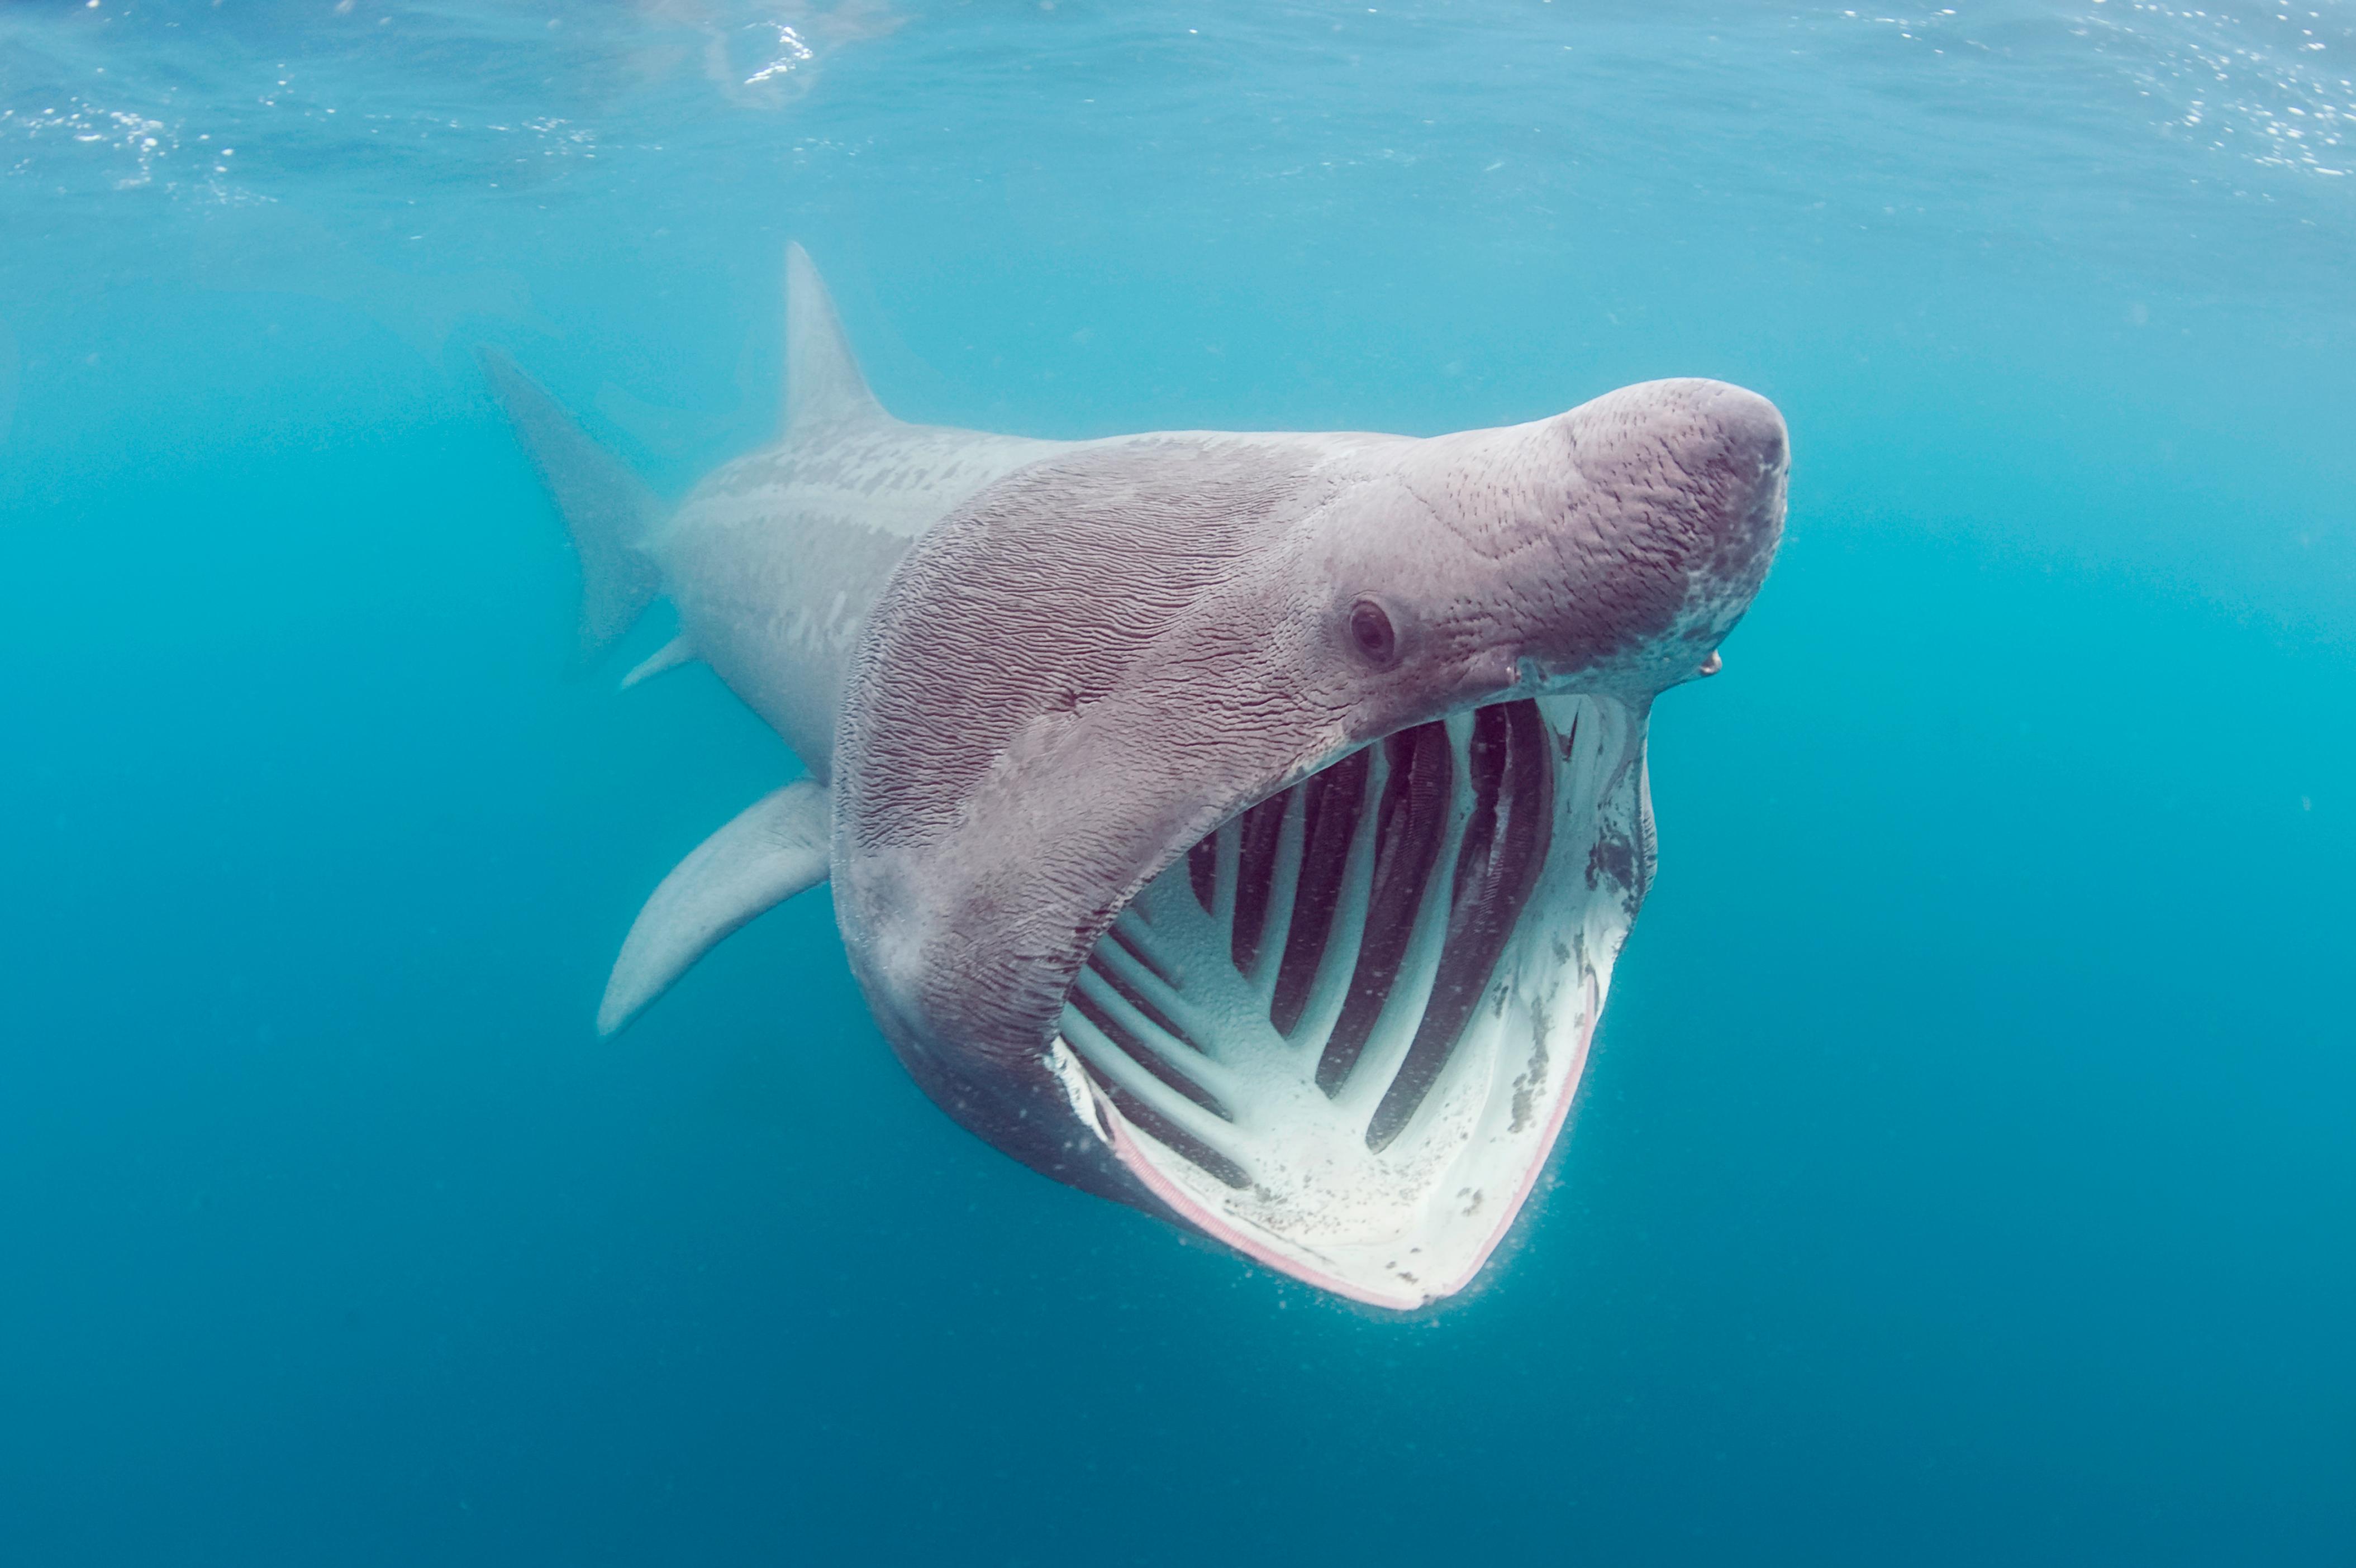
<point>1241,827</point>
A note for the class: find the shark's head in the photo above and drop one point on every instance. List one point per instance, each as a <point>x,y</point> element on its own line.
<point>1609,548</point>
<point>1244,827</point>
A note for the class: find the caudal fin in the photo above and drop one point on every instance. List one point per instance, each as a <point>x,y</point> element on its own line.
<point>608,509</point>
<point>823,386</point>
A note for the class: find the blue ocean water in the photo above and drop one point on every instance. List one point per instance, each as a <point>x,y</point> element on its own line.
<point>1967,1170</point>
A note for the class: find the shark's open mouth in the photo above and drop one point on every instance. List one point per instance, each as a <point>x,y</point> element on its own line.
<point>1342,1032</point>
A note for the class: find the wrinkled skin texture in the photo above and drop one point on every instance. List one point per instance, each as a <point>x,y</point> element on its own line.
<point>1144,636</point>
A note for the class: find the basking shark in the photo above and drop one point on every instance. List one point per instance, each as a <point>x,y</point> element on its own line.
<point>1238,827</point>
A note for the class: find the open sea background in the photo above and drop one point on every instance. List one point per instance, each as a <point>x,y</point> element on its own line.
<point>1967,1171</point>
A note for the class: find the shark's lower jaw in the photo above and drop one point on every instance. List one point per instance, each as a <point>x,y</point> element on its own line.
<point>1342,1034</point>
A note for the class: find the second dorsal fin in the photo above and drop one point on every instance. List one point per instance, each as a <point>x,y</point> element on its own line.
<point>823,386</point>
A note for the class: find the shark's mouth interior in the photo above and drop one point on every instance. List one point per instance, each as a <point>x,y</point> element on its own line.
<point>1341,1033</point>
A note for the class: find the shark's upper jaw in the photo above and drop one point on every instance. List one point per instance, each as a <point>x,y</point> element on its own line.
<point>1342,1033</point>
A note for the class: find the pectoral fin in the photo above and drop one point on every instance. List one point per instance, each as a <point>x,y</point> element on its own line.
<point>772,850</point>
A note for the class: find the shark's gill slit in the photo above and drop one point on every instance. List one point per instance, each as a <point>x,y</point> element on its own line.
<point>1410,825</point>
<point>1497,867</point>
<point>1261,828</point>
<point>1144,959</point>
<point>1333,801</point>
<point>1152,1123</point>
<point>1203,872</point>
<point>1108,974</point>
<point>1130,1042</point>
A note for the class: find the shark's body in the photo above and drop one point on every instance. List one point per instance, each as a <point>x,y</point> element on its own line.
<point>775,559</point>
<point>1239,825</point>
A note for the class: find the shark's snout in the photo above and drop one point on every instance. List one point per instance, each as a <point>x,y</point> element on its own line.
<point>1736,428</point>
<point>1735,447</point>
<point>1677,509</point>
<point>1694,466</point>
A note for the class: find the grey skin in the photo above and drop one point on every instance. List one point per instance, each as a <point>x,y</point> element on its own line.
<point>1027,677</point>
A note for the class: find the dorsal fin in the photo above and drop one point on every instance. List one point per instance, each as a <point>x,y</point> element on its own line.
<point>823,386</point>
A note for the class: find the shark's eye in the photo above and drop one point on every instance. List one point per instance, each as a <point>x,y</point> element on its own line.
<point>1371,633</point>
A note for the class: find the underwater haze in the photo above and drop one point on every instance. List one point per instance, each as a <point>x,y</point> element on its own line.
<point>1967,1170</point>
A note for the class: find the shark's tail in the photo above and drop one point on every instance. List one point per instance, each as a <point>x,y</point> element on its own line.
<point>608,510</point>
